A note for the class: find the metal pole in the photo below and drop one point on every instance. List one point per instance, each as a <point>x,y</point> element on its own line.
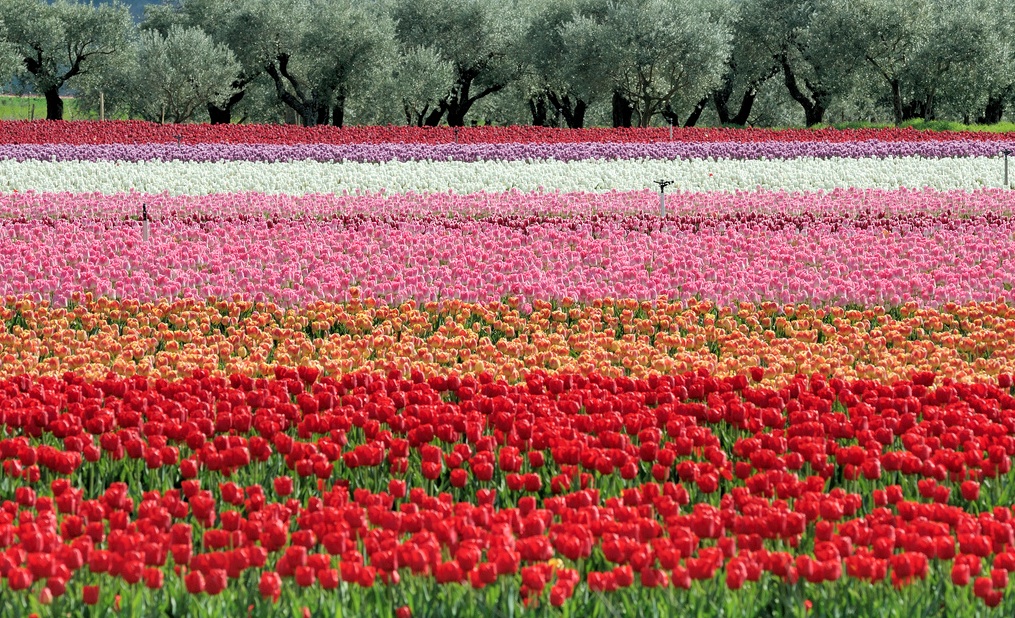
<point>145,224</point>
<point>102,105</point>
<point>671,130</point>
<point>662,196</point>
<point>1006,153</point>
<point>33,111</point>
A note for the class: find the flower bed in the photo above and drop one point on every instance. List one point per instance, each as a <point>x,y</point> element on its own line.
<point>302,177</point>
<point>667,483</point>
<point>171,340</point>
<point>426,372</point>
<point>138,132</point>
<point>487,151</point>
<point>853,247</point>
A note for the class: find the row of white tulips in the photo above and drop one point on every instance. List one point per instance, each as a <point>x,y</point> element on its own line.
<point>302,177</point>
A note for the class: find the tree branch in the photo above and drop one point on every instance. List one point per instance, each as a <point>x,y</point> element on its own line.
<point>485,92</point>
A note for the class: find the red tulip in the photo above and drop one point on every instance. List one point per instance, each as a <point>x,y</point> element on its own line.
<point>90,595</point>
<point>970,490</point>
<point>283,485</point>
<point>195,582</point>
<point>270,585</point>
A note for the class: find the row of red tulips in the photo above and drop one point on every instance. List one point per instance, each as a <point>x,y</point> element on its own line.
<point>568,487</point>
<point>956,431</point>
<point>138,132</point>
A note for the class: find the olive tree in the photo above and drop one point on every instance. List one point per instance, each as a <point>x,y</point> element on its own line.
<point>962,58</point>
<point>997,71</point>
<point>475,37</point>
<point>563,59</point>
<point>8,60</point>
<point>663,56</point>
<point>222,22</point>
<point>421,80</point>
<point>754,60</point>
<point>179,74</point>
<point>315,52</point>
<point>887,36</point>
<point>57,44</point>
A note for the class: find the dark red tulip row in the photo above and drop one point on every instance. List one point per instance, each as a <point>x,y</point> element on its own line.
<point>138,132</point>
<point>563,482</point>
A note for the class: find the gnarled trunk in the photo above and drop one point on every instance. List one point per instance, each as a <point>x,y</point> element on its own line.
<point>434,118</point>
<point>539,111</point>
<point>994,110</point>
<point>696,113</point>
<point>813,106</point>
<point>623,111</point>
<point>338,112</point>
<point>573,113</point>
<point>721,102</point>
<point>224,114</point>
<point>54,104</point>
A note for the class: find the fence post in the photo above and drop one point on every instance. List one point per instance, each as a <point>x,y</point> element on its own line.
<point>102,105</point>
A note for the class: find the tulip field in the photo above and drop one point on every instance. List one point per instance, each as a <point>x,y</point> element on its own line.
<point>381,371</point>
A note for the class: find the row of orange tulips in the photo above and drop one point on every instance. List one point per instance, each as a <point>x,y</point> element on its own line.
<point>172,339</point>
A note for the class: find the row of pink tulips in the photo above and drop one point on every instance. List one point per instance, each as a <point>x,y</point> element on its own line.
<point>818,258</point>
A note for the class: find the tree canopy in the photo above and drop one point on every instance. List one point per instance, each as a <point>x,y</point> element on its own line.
<point>59,42</point>
<point>547,62</point>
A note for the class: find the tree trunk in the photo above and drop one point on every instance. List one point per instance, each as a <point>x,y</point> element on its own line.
<point>219,115</point>
<point>720,99</point>
<point>623,111</point>
<point>746,105</point>
<point>537,107</point>
<point>814,115</point>
<point>456,115</point>
<point>323,112</point>
<point>669,115</point>
<point>574,115</point>
<point>994,110</point>
<point>576,119</point>
<point>54,104</point>
<point>696,113</point>
<point>338,112</point>
<point>814,108</point>
<point>897,101</point>
<point>224,114</point>
<point>434,118</point>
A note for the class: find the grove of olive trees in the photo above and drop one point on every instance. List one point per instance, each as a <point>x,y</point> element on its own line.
<point>571,63</point>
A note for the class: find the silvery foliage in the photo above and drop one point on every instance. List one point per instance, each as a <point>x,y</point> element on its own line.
<point>177,75</point>
<point>316,52</point>
<point>475,37</point>
<point>663,52</point>
<point>57,45</point>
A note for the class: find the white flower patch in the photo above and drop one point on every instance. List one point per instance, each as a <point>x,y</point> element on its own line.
<point>303,177</point>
